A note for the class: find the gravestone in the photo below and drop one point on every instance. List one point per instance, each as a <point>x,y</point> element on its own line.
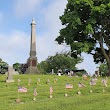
<point>10,75</point>
<point>59,72</point>
<point>13,72</point>
<point>52,71</point>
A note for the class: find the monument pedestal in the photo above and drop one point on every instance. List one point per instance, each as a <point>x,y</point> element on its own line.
<point>32,70</point>
<point>8,81</point>
<point>32,66</point>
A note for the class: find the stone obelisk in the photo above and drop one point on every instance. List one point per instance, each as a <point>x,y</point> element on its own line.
<point>32,60</point>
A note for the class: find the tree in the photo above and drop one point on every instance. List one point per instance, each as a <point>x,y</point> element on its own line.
<point>103,68</point>
<point>3,67</point>
<point>17,67</point>
<point>87,28</point>
<point>59,61</point>
<point>20,67</point>
<point>43,67</point>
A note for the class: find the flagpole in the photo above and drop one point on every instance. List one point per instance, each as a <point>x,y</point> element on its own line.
<point>103,88</point>
<point>66,92</point>
<point>90,88</point>
<point>65,86</point>
<point>103,84</point>
<point>82,77</point>
<point>19,82</point>
<point>18,99</point>
<point>51,91</point>
<point>18,95</point>
<point>90,85</point>
<point>35,94</point>
<point>79,92</point>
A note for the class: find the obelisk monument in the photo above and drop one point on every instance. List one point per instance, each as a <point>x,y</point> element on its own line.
<point>32,60</point>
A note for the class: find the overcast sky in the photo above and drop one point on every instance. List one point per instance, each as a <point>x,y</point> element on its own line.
<point>15,19</point>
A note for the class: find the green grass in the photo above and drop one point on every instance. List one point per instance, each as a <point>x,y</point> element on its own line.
<point>86,101</point>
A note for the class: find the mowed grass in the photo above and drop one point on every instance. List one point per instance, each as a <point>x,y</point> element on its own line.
<point>98,100</point>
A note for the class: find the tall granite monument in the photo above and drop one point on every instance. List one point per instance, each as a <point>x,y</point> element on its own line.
<point>32,60</point>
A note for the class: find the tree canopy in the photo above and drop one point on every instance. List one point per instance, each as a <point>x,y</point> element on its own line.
<point>3,66</point>
<point>17,67</point>
<point>59,61</point>
<point>87,28</point>
<point>20,67</point>
<point>103,69</point>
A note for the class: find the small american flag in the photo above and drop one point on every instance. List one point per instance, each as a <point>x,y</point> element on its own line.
<point>29,80</point>
<point>22,89</point>
<point>48,80</point>
<point>84,77</point>
<point>69,86</point>
<point>19,80</point>
<point>39,80</point>
<point>51,90</point>
<point>35,92</point>
<point>104,82</point>
<point>81,85</point>
<point>92,83</point>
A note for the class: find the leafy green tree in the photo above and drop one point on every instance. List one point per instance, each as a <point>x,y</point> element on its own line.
<point>103,69</point>
<point>18,67</point>
<point>43,67</point>
<point>3,67</point>
<point>59,61</point>
<point>87,28</point>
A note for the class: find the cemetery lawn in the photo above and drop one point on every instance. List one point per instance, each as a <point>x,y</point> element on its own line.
<point>98,100</point>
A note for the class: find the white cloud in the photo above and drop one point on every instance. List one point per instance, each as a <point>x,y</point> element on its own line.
<point>88,64</point>
<point>26,7</point>
<point>15,47</point>
<point>46,46</point>
<point>46,42</point>
<point>54,10</point>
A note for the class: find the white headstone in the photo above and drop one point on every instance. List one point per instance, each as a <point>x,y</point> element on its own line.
<point>10,75</point>
<point>59,74</point>
<point>52,71</point>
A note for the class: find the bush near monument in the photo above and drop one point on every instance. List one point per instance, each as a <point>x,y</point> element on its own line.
<point>20,67</point>
<point>17,67</point>
<point>61,61</point>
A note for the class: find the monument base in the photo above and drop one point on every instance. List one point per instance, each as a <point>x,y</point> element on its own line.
<point>32,70</point>
<point>8,81</point>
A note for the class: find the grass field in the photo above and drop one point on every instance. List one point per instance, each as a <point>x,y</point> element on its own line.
<point>98,100</point>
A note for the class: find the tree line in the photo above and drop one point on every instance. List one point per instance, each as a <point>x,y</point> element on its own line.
<point>62,61</point>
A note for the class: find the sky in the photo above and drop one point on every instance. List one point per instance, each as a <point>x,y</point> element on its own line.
<point>15,30</point>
